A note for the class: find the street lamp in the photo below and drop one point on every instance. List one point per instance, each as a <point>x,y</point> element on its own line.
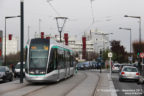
<point>129,29</point>
<point>60,24</point>
<point>22,39</point>
<point>138,17</point>
<point>8,17</point>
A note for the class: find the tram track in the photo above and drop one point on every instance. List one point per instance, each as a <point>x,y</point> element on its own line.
<point>96,86</point>
<point>19,88</point>
<point>76,85</point>
<point>64,87</point>
<point>13,89</point>
<point>65,93</point>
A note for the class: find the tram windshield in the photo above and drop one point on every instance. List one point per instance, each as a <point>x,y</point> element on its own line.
<point>39,53</point>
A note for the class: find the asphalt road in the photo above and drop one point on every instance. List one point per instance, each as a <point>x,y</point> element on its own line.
<point>126,88</point>
<point>81,84</point>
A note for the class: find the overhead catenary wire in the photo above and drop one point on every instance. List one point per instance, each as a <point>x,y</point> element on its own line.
<point>58,14</point>
<point>93,18</point>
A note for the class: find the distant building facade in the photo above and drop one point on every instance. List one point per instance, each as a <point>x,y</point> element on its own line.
<point>11,46</point>
<point>94,42</point>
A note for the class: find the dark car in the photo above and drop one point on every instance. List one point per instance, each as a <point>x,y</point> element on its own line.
<point>17,69</point>
<point>80,66</point>
<point>94,64</point>
<point>83,65</point>
<point>5,74</point>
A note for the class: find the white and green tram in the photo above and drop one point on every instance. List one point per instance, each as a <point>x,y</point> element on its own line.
<point>48,61</point>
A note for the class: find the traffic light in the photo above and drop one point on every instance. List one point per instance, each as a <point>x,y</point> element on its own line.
<point>100,53</point>
<point>138,52</point>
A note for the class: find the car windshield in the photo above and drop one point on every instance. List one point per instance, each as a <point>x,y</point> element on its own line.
<point>79,64</point>
<point>2,69</point>
<point>116,65</point>
<point>128,69</point>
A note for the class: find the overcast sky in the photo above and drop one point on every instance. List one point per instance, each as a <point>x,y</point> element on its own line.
<point>108,14</point>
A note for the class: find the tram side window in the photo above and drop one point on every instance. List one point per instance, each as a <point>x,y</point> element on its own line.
<point>68,58</point>
<point>60,58</point>
<point>53,60</point>
<point>71,61</point>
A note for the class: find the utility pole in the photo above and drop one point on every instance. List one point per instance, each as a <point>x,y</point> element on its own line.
<point>22,39</point>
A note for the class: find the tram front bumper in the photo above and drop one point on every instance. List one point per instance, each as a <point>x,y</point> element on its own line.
<point>41,78</point>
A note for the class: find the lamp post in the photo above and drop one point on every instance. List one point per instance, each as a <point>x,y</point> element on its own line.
<point>129,29</point>
<point>139,50</point>
<point>60,24</point>
<point>22,39</point>
<point>8,17</point>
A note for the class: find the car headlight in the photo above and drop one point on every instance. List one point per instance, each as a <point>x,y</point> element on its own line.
<point>2,74</point>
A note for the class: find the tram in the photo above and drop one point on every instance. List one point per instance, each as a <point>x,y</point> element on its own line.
<point>48,61</point>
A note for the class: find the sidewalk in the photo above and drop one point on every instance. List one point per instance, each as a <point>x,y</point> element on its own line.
<point>105,85</point>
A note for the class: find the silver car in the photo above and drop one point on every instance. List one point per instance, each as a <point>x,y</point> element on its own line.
<point>129,73</point>
<point>116,68</point>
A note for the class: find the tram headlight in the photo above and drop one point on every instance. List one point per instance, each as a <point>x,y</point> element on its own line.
<point>31,72</point>
<point>42,72</point>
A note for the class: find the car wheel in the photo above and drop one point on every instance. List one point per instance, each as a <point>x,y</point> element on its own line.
<point>4,79</point>
<point>120,79</point>
<point>11,79</point>
<point>137,80</point>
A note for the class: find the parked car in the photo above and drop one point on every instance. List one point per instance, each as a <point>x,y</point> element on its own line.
<point>94,64</point>
<point>129,73</point>
<point>116,68</point>
<point>5,74</point>
<point>87,65</point>
<point>83,65</point>
<point>80,66</point>
<point>17,69</point>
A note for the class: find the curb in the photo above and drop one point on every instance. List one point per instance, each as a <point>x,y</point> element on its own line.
<point>112,88</point>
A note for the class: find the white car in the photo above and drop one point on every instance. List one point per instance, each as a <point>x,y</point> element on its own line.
<point>116,68</point>
<point>17,69</point>
<point>129,73</point>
